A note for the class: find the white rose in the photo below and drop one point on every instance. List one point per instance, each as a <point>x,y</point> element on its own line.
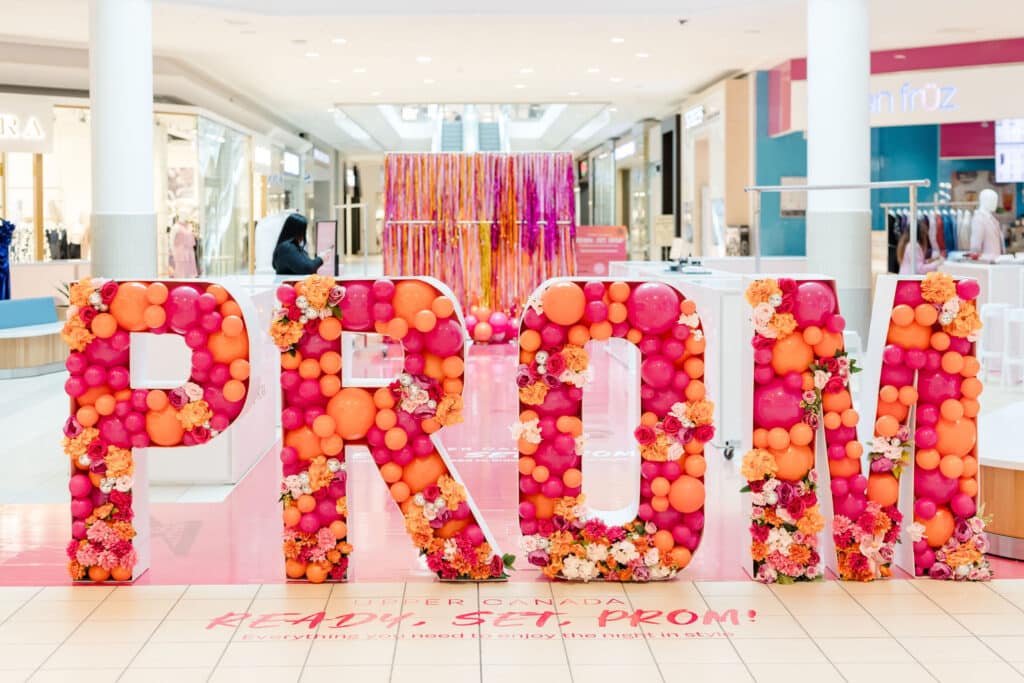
<point>597,552</point>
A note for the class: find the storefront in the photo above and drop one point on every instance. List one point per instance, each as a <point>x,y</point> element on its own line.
<point>716,160</point>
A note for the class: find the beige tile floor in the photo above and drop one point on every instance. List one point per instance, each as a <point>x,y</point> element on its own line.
<point>680,631</point>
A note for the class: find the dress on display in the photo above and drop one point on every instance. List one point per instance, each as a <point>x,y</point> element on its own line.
<point>986,234</point>
<point>6,231</point>
<point>183,252</point>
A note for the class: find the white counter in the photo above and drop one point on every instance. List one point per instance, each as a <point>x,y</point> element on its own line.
<point>999,283</point>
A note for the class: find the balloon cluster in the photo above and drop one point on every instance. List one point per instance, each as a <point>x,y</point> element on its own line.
<point>320,417</point>
<point>109,418</point>
<point>802,377</point>
<point>561,319</point>
<point>487,326</point>
<point>923,338</point>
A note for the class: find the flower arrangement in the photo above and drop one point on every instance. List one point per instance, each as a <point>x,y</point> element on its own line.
<point>109,418</point>
<point>865,546</point>
<point>561,536</point>
<point>962,557</point>
<point>320,417</point>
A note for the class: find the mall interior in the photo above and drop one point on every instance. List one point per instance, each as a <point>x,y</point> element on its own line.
<point>314,315</point>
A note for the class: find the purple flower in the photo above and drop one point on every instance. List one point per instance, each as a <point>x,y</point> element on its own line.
<point>552,381</point>
<point>981,543</point>
<point>882,465</point>
<point>887,553</point>
<point>178,398</point>
<point>963,531</point>
<point>784,492</point>
<point>72,428</point>
<point>940,571</point>
<point>685,436</point>
<point>811,420</point>
<point>641,573</point>
<point>108,291</point>
<point>524,377</point>
<point>539,558</point>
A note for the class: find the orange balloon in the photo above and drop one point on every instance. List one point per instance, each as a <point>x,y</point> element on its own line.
<point>813,335</point>
<point>833,420</point>
<point>443,307</point>
<point>163,426</point>
<point>290,361</point>
<point>806,381</point>
<point>579,335</point>
<point>925,314</point>
<point>529,340</point>
<point>382,398</point>
<point>850,418</point>
<point>659,503</point>
<point>660,486</point>
<point>291,516</point>
<point>294,569</point>
<point>391,472</point>
<point>338,529</point>
<point>234,390</point>
<point>951,466</point>
<point>323,426</point>
<point>837,402</point>
<point>452,386</point>
<point>411,297</point>
<point>956,437</point>
<point>232,326</point>
<point>105,404</point>
<point>430,425</point>
<point>907,396</point>
<point>329,328</point>
<point>686,494</point>
<point>940,341</point>
<point>219,293</point>
<point>793,462</point>
<point>154,316</point>
<point>452,367</point>
<point>90,396</point>
<point>895,409</point>
<point>927,458</point>
<point>971,367</point>
<point>971,387</point>
<point>844,467</point>
<point>304,441</point>
<point>969,485</point>
<point>425,320</point>
<point>648,419</point>
<point>396,438</point>
<point>544,506</point>
<point>397,328</point>
<point>778,438</point>
<point>883,489</point>
<point>156,293</point>
<point>121,574</point>
<point>226,349</point>
<point>854,449</point>
<point>801,434</point>
<point>618,291</point>
<point>353,411</point>
<point>330,385</point>
<point>239,369</point>
<point>687,307</point>
<point>98,574</point>
<point>316,573</point>
<point>830,345</point>
<point>306,503</point>
<point>230,307</point>
<point>634,336</point>
<point>526,465</point>
<point>695,346</point>
<point>888,393</point>
<point>902,315</point>
<point>791,354</point>
<point>681,556</point>
<point>309,368</point>
<point>952,362</point>
<point>104,325</point>
<point>694,367</point>
<point>87,416</point>
<point>330,363</point>
<point>663,541</point>
<point>569,424</point>
<point>156,399</point>
<point>939,528</point>
<point>695,465</point>
<point>332,445</point>
<point>129,306</point>
<point>386,419</point>
<point>572,477</point>
<point>887,426</point>
<point>564,303</point>
<point>695,390</point>
<point>601,331</point>
<point>952,409</point>
<point>970,466</point>
<point>617,313</point>
<point>540,474</point>
<point>422,472</point>
<point>760,438</point>
<point>913,336</point>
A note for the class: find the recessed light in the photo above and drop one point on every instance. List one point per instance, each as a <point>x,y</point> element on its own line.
<point>616,79</point>
<point>334,81</point>
<point>330,110</point>
<point>298,41</point>
<point>248,31</point>
<point>752,31</point>
<point>593,70</point>
<point>518,86</point>
<point>375,93</point>
<point>613,109</point>
<point>428,81</point>
<point>573,93</point>
<point>617,40</point>
<point>423,59</point>
<point>338,41</point>
<point>900,56</point>
<point>642,55</point>
<point>312,55</point>
<point>359,70</point>
<point>526,70</point>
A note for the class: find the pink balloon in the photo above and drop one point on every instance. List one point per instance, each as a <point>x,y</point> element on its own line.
<point>415,363</point>
<point>122,409</point>
<point>327,511</point>
<point>286,294</point>
<point>960,345</point>
<point>893,354</point>
<point>909,293</point>
<point>680,381</point>
<point>694,520</point>
<point>968,289</point>
<point>925,508</point>
<point>134,422</point>
<point>76,363</point>
<point>558,402</point>
<point>474,534</point>
<point>527,510</point>
<point>896,375</point>
<point>414,341</point>
<point>80,485</point>
<point>681,332</point>
<point>836,324</point>
<point>850,506</point>
<point>936,387</point>
<point>309,523</point>
<point>667,519</point>
<point>382,289</point>
<point>552,335</point>
<point>657,372</point>
<point>672,348</point>
<point>102,352</point>
<point>81,508</point>
<point>565,444</point>
<point>595,311</point>
<point>533,320</point>
<point>112,430</point>
<point>230,409</point>
<point>289,456</point>
<point>813,303</point>
<point>927,414</point>
<point>528,485</point>
<point>202,359</point>
<point>671,470</point>
<point>934,485</point>
<point>182,308</point>
<point>594,291</point>
<point>78,529</point>
<point>498,320</point>
<point>552,488</point>
<point>207,302</point>
<point>840,487</point>
<point>836,451</point>
<point>682,534</point>
<point>963,505</point>
<point>661,402</point>
<point>653,307</point>
<point>926,437</point>
<point>314,346</point>
<point>220,374</point>
<point>915,359</point>
<point>75,387</point>
<point>195,339</point>
<point>471,322</point>
<point>356,307</point>
<point>94,376</point>
<point>219,421</point>
<point>776,405</point>
<point>446,339</point>
<point>649,345</point>
<point>211,322</point>
<point>383,311</point>
<point>763,374</point>
<point>422,445</point>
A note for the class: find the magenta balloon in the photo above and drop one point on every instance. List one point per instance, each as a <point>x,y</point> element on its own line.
<point>620,330</point>
<point>309,523</point>
<point>498,319</point>
<point>558,402</point>
<point>661,402</point>
<point>471,322</point>
<point>962,505</point>
<point>410,424</point>
<point>763,356</point>
<point>290,379</point>
<point>794,382</point>
<point>76,363</point>
<point>528,527</point>
<point>968,289</point>
<point>667,519</point>
<point>314,346</point>
<point>915,359</point>
<point>75,387</point>
<point>220,374</point>
<point>78,529</point>
<point>375,436</point>
<point>94,376</point>
<point>840,487</point>
<point>527,510</point>
<point>671,470</point>
<point>645,512</point>
<point>593,291</point>
<point>134,422</point>
<point>646,392</point>
<point>909,293</point>
<point>648,469</point>
<point>565,444</point>
<point>653,307</point>
<point>933,484</point>
<point>528,485</point>
<point>649,345</point>
<point>113,432</point>
<point>673,349</point>
<point>415,363</point>
<point>924,559</point>
<point>474,534</point>
<point>403,456</point>
<point>103,353</point>
<point>286,294</point>
<point>220,422</point>
<point>211,322</point>
<point>836,324</point>
<point>548,426</point>
<point>680,381</point>
<point>645,489</point>
<point>383,311</point>
<point>533,320</point>
<point>311,414</point>
<point>841,434</point>
<point>552,335</point>
<point>859,484</point>
<point>81,508</point>
<point>681,332</point>
<point>926,437</point>
<point>694,520</point>
<point>422,445</point>
<point>681,534</point>
<point>289,456</point>
<point>206,302</point>
<point>120,341</point>
<point>893,354</point>
<point>776,406</point>
<point>80,485</point>
<point>182,308</point>
<point>920,546</point>
<point>657,372</point>
<point>122,409</point>
<point>327,511</point>
<point>356,307</point>
<point>960,345</point>
<point>231,409</point>
<point>595,311</point>
<point>935,387</point>
<point>382,289</point>
<point>380,455</point>
<point>925,508</point>
<point>195,339</point>
<point>836,451</point>
<point>896,375</point>
<point>139,400</point>
<point>446,339</point>
<point>118,378</point>
<point>850,506</point>
<point>414,341</point>
<point>202,359</point>
<point>552,488</point>
<point>763,374</point>
<point>813,303</point>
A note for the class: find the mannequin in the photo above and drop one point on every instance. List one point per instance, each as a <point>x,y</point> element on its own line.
<point>986,233</point>
<point>183,254</point>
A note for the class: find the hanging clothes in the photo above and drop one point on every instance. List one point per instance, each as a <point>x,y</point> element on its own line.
<point>940,233</point>
<point>963,230</point>
<point>6,233</point>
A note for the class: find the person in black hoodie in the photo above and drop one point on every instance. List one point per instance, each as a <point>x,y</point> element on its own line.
<point>290,257</point>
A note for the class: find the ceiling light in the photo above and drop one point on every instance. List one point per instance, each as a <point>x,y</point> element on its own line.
<point>359,70</point>
<point>375,93</point>
<point>312,55</point>
<point>428,81</point>
<point>526,70</point>
<point>298,41</point>
<point>518,86</point>
<point>642,55</point>
<point>752,31</point>
<point>334,81</point>
<point>573,93</point>
<point>423,59</point>
<point>338,41</point>
<point>593,70</point>
<point>330,110</point>
<point>616,79</point>
<point>613,109</point>
<point>618,40</point>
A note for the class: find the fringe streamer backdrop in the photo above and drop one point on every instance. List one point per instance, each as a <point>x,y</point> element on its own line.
<point>490,226</point>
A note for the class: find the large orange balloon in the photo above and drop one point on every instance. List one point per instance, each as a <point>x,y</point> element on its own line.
<point>226,349</point>
<point>939,528</point>
<point>353,411</point>
<point>686,494</point>
<point>844,467</point>
<point>305,442</point>
<point>956,437</point>
<point>422,472</point>
<point>791,354</point>
<point>883,489</point>
<point>563,303</point>
<point>829,345</point>
<point>895,409</point>
<point>837,402</point>
<point>163,427</point>
<point>129,306</point>
<point>913,336</point>
<point>411,297</point>
<point>793,462</point>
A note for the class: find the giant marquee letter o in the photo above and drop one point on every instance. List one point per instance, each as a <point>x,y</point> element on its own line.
<point>560,319</point>
<point>399,422</point>
<point>109,418</point>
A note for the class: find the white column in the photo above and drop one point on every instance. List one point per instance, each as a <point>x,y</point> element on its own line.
<point>121,98</point>
<point>839,151</point>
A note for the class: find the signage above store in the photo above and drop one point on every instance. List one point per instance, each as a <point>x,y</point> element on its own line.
<point>321,157</point>
<point>26,126</point>
<point>290,163</point>
<point>693,117</point>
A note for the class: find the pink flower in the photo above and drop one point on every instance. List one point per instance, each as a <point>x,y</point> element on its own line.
<point>335,296</point>
<point>787,285</point>
<point>762,342</point>
<point>645,435</point>
<point>796,508</point>
<point>555,364</point>
<point>108,291</point>
<point>312,326</point>
<point>524,377</point>
<point>704,433</point>
<point>96,450</point>
<point>178,398</point>
<point>201,434</point>
<point>641,573</point>
<point>432,492</point>
<point>294,313</point>
<point>88,314</point>
<point>671,424</point>
<point>72,428</point>
<point>497,566</point>
<point>834,385</point>
<point>538,558</point>
<point>831,365</point>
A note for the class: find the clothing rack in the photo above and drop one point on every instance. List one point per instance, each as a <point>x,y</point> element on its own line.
<point>542,222</point>
<point>911,186</point>
<point>934,205</point>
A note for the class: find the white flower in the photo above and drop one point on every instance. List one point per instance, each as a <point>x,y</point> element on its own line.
<point>624,552</point>
<point>779,539</point>
<point>761,316</point>
<point>193,391</point>
<point>651,557</point>
<point>597,552</point>
<point>430,512</point>
<point>772,498</point>
<point>698,335</point>
<point>528,431</point>
<point>541,357</point>
<point>451,549</point>
<point>72,312</point>
<point>333,464</point>
<point>580,444</point>
<point>579,569</point>
<point>440,504</point>
<point>534,302</point>
<point>84,460</point>
<point>95,299</point>
<point>418,499</point>
<point>775,300</point>
<point>123,484</point>
<point>691,320</point>
<point>758,499</point>
<point>963,570</point>
<point>820,379</point>
<point>660,572</point>
<point>675,450</point>
<point>304,477</point>
<point>946,318</point>
<point>952,306</point>
<point>106,485</point>
<point>916,532</point>
<point>302,302</point>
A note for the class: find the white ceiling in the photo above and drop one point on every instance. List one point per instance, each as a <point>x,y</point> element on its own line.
<point>478,49</point>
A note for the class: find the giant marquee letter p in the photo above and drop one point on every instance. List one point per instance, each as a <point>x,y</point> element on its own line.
<point>109,418</point>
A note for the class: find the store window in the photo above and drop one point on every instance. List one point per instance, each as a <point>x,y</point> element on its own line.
<point>227,206</point>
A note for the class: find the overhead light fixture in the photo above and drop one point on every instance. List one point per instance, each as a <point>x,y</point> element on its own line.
<point>338,41</point>
<point>423,59</point>
<point>334,81</point>
<point>526,70</point>
<point>312,55</point>
<point>573,93</point>
<point>359,70</point>
<point>617,40</point>
<point>375,93</point>
<point>616,79</point>
<point>519,86</point>
<point>330,110</point>
<point>642,55</point>
<point>410,113</point>
<point>593,70</point>
<point>350,127</point>
<point>428,81</point>
<point>613,109</point>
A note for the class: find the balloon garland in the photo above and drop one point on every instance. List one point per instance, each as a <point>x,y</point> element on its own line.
<point>560,536</point>
<point>802,376</point>
<point>109,418</point>
<point>932,331</point>
<point>398,422</point>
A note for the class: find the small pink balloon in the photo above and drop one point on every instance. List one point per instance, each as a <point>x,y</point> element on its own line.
<point>527,510</point>
<point>935,387</point>
<point>75,387</point>
<point>926,437</point>
<point>139,400</point>
<point>934,485</point>
<point>653,307</point>
<point>528,527</point>
<point>927,414</point>
<point>207,303</point>
<point>78,529</point>
<point>925,508</point>
<point>840,487</point>
<point>680,381</point>
<point>671,470</point>
<point>763,374</point>
<point>650,345</point>
<point>968,289</point>
<point>289,456</point>
<point>134,422</point>
<point>94,376</point>
<point>311,414</point>
<point>219,374</point>
<point>836,324</point>
<point>909,293</point>
<point>309,523</point>
<point>415,363</point>
<point>893,354</point>
<point>382,289</point>
<point>202,359</point>
<point>645,512</point>
<point>383,311</point>
<point>446,339</point>
<point>915,359</point>
<point>960,345</point>
<point>356,307</point>
<point>182,308</point>
<point>80,485</point>
<point>551,335</point>
<point>962,505</point>
<point>681,332</point>
<point>565,444</point>
<point>414,341</point>
<point>814,302</point>
<point>595,311</point>
<point>594,291</point>
<point>498,320</point>
<point>533,320</point>
<point>836,451</point>
<point>81,508</point>
<point>681,534</point>
<point>672,348</point>
<point>896,375</point>
<point>657,372</point>
<point>422,445</point>
<point>528,485</point>
<point>122,409</point>
<point>286,295</point>
<point>220,422</point>
<point>76,363</point>
<point>763,356</point>
<point>211,322</point>
<point>552,488</point>
<point>314,346</point>
<point>474,534</point>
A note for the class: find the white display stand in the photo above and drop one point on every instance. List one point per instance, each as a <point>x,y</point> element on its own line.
<point>999,283</point>
<point>747,264</point>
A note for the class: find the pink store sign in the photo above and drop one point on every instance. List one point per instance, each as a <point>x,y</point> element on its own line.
<point>597,246</point>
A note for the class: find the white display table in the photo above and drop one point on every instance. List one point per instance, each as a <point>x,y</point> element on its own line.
<point>999,282</point>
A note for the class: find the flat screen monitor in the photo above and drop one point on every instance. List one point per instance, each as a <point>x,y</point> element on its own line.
<point>1010,150</point>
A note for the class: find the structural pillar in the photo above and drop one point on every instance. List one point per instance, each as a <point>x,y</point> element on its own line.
<point>839,151</point>
<point>123,242</point>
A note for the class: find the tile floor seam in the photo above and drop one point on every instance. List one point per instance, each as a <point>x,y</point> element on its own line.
<point>647,643</point>
<point>731,641</point>
<point>808,634</point>
<point>891,635</point>
<point>22,606</point>
<point>479,636</point>
<point>227,643</point>
<point>316,633</point>
<point>991,588</point>
<point>964,626</point>
<point>68,636</point>
<point>398,632</point>
<point>561,634</point>
<point>143,646</point>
